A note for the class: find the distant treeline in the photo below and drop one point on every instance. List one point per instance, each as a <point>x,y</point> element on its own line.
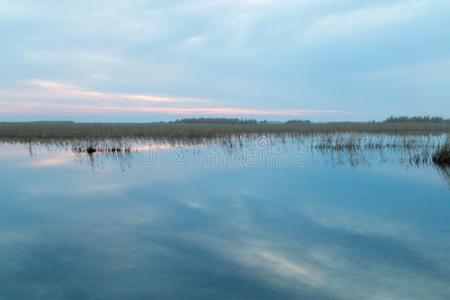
<point>215,121</point>
<point>392,119</point>
<point>237,121</point>
<point>425,119</point>
<point>234,121</point>
<point>298,122</point>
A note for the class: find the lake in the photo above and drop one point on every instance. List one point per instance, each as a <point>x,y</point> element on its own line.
<point>265,220</point>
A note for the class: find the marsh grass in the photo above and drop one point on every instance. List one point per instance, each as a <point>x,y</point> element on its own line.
<point>98,147</point>
<point>421,141</point>
<point>354,147</point>
<point>352,141</point>
<point>442,155</point>
<point>47,131</point>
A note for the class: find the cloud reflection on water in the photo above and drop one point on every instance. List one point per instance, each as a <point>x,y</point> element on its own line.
<point>316,232</point>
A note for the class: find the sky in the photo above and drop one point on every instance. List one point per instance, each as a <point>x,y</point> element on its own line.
<point>159,60</point>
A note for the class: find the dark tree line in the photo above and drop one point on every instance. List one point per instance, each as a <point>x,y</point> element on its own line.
<point>424,119</point>
<point>234,121</point>
<point>215,121</point>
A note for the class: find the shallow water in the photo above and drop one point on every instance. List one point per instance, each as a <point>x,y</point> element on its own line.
<point>268,221</point>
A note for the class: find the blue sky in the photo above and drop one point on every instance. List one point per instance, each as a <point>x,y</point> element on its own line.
<point>133,60</point>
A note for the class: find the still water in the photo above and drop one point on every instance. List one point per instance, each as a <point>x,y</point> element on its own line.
<point>212,222</point>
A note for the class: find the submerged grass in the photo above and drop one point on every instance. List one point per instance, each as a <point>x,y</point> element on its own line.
<point>354,142</point>
<point>415,150</point>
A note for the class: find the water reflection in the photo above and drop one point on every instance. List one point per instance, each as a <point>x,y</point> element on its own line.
<point>445,172</point>
<point>214,221</point>
<point>258,151</point>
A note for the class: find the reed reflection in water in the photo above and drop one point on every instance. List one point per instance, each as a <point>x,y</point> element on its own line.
<point>258,218</point>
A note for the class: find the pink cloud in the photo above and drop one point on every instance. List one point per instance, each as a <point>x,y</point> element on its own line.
<point>51,162</point>
<point>35,107</point>
<point>58,89</point>
<point>56,97</point>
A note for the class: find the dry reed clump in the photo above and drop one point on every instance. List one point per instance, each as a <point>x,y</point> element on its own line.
<point>442,155</point>
<point>339,142</point>
<point>91,148</point>
<point>369,142</point>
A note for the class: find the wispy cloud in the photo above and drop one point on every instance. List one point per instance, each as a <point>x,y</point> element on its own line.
<point>243,53</point>
<point>50,162</point>
<point>364,18</point>
<point>37,108</point>
<point>283,266</point>
<point>49,97</point>
<point>58,89</point>
<point>425,74</point>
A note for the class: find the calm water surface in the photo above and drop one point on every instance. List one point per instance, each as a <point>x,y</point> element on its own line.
<point>196,222</point>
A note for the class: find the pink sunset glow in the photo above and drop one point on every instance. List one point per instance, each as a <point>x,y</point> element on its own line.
<point>46,97</point>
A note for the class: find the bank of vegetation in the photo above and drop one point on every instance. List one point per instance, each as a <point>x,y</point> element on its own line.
<point>214,128</point>
<point>394,132</point>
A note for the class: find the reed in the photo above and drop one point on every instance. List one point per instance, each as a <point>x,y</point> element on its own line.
<point>46,131</point>
<point>417,138</point>
<point>355,141</point>
<point>442,155</point>
<point>91,147</point>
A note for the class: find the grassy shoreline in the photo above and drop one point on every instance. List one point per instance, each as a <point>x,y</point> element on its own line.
<point>87,131</point>
<point>339,136</point>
